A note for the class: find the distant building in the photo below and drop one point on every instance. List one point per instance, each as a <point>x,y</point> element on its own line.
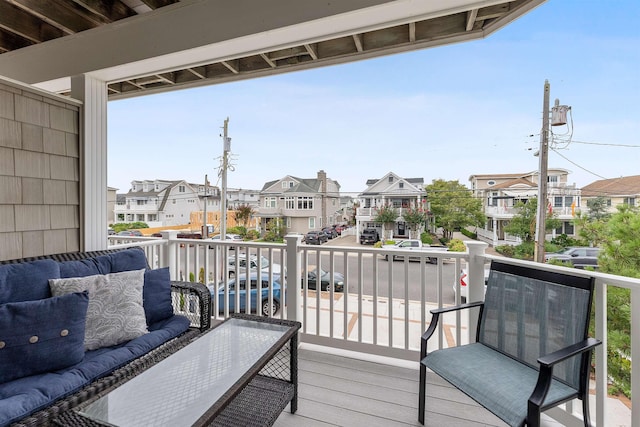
<point>391,189</point>
<point>616,191</point>
<point>303,204</point>
<point>501,192</point>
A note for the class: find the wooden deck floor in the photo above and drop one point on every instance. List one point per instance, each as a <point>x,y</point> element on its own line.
<point>336,390</point>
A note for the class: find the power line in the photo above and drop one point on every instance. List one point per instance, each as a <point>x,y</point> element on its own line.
<point>577,165</point>
<point>607,144</point>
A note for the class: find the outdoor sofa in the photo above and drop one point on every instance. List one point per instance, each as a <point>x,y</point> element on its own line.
<point>60,346</point>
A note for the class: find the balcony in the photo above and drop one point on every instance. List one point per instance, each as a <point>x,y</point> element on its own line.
<point>359,349</point>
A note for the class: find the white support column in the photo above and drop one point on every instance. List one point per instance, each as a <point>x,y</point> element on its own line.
<point>293,297</point>
<point>475,283</point>
<point>93,160</point>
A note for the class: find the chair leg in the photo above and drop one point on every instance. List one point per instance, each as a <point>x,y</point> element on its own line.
<point>422,393</point>
<point>585,411</point>
<point>533,415</point>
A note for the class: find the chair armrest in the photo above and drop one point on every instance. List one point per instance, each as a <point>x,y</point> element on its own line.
<point>545,376</point>
<point>435,316</point>
<point>192,300</point>
<point>567,352</point>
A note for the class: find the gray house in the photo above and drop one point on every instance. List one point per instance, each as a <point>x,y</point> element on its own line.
<point>303,204</point>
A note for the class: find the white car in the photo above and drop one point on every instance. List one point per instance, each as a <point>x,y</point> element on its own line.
<point>464,289</point>
<point>241,266</point>
<point>228,237</point>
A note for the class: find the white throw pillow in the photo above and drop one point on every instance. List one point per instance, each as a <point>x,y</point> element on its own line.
<point>115,313</point>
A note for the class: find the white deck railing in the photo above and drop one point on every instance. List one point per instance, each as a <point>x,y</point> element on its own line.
<point>380,313</point>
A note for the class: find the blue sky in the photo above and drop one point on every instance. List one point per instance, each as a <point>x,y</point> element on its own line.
<point>440,113</point>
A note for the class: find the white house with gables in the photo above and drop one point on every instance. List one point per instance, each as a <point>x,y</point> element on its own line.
<point>393,190</point>
<point>161,203</point>
<point>501,192</point>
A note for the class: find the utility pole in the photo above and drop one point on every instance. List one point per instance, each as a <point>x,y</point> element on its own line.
<point>205,227</point>
<point>226,141</point>
<point>541,220</point>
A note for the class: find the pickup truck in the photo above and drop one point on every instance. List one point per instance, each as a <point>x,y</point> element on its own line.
<point>413,245</point>
<point>369,235</point>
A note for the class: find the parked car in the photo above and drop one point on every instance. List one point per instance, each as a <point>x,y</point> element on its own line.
<point>239,285</point>
<point>135,233</point>
<point>578,256</point>
<point>110,231</point>
<point>340,228</point>
<point>464,290</point>
<point>316,238</point>
<point>228,237</point>
<point>413,245</point>
<point>325,280</point>
<point>370,236</point>
<point>241,267</point>
<point>330,232</point>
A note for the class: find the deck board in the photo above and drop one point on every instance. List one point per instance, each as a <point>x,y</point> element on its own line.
<point>345,391</point>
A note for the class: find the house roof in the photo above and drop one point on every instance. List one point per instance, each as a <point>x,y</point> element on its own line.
<point>623,186</point>
<point>173,44</point>
<point>518,182</point>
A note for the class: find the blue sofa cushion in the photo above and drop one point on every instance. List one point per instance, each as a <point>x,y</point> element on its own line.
<point>27,281</point>
<point>24,396</point>
<point>127,260</point>
<point>115,312</point>
<point>85,267</point>
<point>156,295</point>
<point>41,336</point>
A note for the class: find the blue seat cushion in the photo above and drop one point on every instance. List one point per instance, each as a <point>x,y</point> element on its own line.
<point>496,381</point>
<point>24,396</point>
<point>41,336</point>
<point>85,267</point>
<point>127,260</point>
<point>27,281</point>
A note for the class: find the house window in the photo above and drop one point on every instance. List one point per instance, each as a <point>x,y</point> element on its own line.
<point>401,185</point>
<point>284,184</point>
<point>490,183</point>
<point>631,201</point>
<point>608,202</point>
<point>390,179</point>
<point>120,217</point>
<point>557,202</point>
<point>152,217</point>
<point>568,201</point>
<point>305,203</point>
<point>568,228</point>
<point>141,202</point>
<point>552,179</point>
<point>290,184</point>
<point>270,202</point>
<point>290,203</point>
<point>312,223</point>
<point>181,188</point>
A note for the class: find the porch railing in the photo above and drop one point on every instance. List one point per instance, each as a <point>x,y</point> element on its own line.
<point>380,312</point>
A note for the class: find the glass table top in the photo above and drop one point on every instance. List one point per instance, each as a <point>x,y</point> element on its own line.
<point>180,389</point>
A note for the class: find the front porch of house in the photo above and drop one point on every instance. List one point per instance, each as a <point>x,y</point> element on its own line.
<point>359,349</point>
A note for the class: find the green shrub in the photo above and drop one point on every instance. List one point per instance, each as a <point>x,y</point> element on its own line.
<point>252,235</point>
<point>239,230</point>
<point>469,234</point>
<point>426,238</point>
<point>377,244</point>
<point>506,250</point>
<point>457,245</point>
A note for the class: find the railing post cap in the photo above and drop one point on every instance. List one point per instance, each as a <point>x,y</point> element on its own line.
<point>169,234</point>
<point>293,236</point>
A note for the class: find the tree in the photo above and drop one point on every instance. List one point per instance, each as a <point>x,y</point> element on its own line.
<point>415,219</point>
<point>453,206</point>
<point>592,229</point>
<point>243,215</point>
<point>386,215</point>
<point>523,224</point>
<point>598,208</point>
<point>621,256</point>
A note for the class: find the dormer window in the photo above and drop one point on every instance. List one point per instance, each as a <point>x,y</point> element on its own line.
<point>390,179</point>
<point>401,185</point>
<point>491,182</point>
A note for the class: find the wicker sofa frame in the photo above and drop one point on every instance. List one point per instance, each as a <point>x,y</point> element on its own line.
<point>200,322</point>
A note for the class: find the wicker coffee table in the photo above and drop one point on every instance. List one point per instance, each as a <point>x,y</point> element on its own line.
<point>242,372</point>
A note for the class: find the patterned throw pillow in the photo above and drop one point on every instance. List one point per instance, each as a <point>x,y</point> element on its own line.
<point>115,312</point>
<point>41,336</point>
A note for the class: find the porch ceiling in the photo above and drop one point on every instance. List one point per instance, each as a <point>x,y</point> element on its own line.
<point>149,46</point>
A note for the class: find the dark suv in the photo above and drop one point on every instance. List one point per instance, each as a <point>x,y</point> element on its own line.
<point>370,236</point>
<point>316,238</point>
<point>579,257</point>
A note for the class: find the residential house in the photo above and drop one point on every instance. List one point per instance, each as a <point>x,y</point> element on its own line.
<point>303,204</point>
<point>616,191</point>
<point>241,196</point>
<point>164,203</point>
<point>501,192</point>
<point>393,190</point>
<point>111,204</point>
